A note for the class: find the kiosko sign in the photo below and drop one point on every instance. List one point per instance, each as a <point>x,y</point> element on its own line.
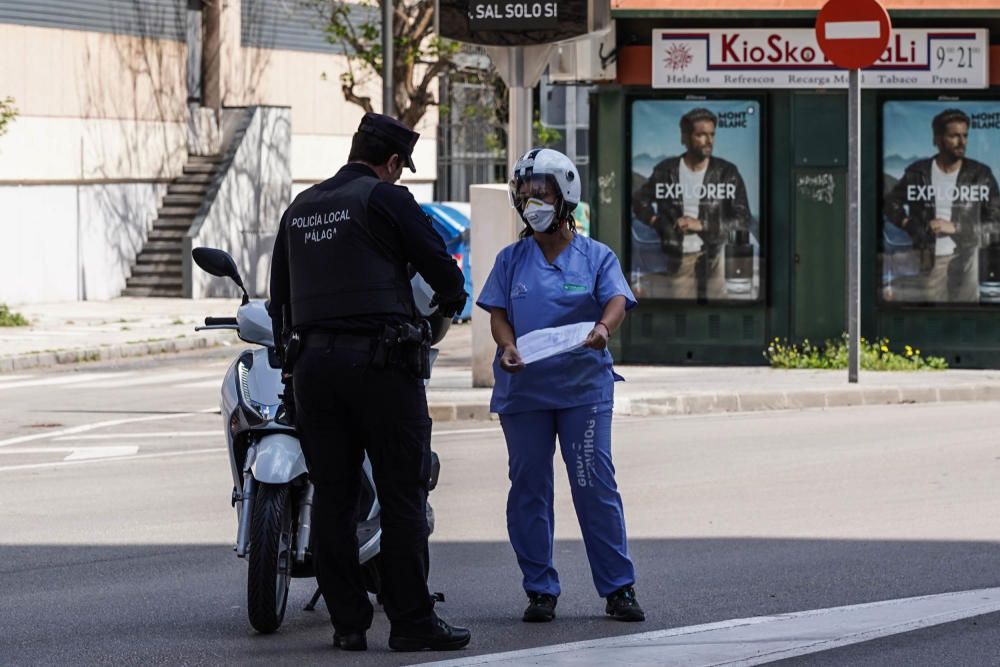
<point>791,58</point>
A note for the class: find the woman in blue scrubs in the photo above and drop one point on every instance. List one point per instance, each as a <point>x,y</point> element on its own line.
<point>553,277</point>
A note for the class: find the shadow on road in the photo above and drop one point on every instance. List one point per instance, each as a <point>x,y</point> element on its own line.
<point>184,604</point>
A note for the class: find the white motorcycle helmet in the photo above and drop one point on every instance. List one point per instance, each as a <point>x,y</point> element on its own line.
<point>538,175</point>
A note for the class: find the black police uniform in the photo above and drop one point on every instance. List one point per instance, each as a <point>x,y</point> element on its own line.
<point>340,266</point>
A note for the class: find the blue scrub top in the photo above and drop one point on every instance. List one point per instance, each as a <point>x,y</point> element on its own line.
<point>537,295</point>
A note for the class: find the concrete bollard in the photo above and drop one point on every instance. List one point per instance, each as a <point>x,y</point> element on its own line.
<point>494,225</point>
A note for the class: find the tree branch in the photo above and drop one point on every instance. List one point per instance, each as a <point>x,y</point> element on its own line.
<point>417,60</point>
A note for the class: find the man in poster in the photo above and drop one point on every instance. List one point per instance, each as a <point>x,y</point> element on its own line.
<point>942,203</point>
<point>694,202</point>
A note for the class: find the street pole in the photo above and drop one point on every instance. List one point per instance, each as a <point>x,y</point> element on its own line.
<point>388,101</point>
<point>853,34</point>
<point>853,226</point>
<point>520,67</point>
<point>519,104</point>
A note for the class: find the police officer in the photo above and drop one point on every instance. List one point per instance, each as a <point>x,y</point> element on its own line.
<point>340,271</point>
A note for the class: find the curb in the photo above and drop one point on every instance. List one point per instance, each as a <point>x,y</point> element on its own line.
<point>20,362</point>
<point>688,404</point>
<point>757,401</point>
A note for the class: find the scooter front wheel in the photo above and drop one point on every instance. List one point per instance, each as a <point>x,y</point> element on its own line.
<point>269,557</point>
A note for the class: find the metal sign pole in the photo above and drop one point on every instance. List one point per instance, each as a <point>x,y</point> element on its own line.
<point>518,108</point>
<point>853,226</point>
<point>388,95</point>
<point>853,34</point>
<point>520,67</point>
<point>519,127</point>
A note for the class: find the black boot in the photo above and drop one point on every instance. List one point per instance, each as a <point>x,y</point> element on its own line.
<point>622,605</point>
<point>438,637</point>
<point>350,641</point>
<point>541,608</point>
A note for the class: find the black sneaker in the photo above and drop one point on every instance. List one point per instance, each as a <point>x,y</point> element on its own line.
<point>541,608</point>
<point>622,605</point>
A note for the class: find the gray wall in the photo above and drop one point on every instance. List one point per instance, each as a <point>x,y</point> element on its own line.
<point>293,25</point>
<point>159,19</point>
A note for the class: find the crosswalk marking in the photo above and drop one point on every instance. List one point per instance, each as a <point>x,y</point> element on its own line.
<point>756,640</point>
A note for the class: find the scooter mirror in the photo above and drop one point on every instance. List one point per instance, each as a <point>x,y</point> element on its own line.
<point>217,262</point>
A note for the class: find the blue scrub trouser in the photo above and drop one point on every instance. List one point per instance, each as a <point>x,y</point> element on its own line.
<point>585,439</point>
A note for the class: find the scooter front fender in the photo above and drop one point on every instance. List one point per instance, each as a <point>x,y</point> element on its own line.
<point>279,459</point>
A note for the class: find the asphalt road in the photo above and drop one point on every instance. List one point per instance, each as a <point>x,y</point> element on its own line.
<point>116,530</point>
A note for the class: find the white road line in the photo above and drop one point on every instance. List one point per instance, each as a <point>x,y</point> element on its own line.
<point>204,384</point>
<point>36,450</point>
<point>89,453</point>
<point>62,380</point>
<point>756,640</point>
<point>96,425</point>
<point>166,435</point>
<point>853,30</point>
<point>59,464</point>
<point>151,378</point>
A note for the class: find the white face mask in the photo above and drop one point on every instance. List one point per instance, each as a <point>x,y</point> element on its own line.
<point>539,215</point>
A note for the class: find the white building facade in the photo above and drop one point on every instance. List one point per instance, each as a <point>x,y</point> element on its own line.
<point>117,98</point>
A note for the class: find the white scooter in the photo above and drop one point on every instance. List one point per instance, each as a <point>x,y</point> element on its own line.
<point>272,493</point>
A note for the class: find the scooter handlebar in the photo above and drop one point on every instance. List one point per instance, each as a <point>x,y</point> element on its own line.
<point>220,321</point>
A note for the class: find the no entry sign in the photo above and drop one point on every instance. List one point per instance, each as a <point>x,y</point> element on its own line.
<point>853,34</point>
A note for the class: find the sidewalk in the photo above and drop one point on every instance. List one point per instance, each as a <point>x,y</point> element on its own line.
<point>82,331</point>
<point>79,332</point>
<point>670,390</point>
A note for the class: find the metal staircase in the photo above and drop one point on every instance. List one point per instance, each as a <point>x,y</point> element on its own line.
<point>158,266</point>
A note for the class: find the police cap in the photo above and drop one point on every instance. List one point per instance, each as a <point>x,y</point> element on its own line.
<point>392,132</point>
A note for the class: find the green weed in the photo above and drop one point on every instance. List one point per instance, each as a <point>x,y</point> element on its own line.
<point>875,356</point>
<point>9,318</point>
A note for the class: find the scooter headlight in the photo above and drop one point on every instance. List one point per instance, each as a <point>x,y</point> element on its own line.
<point>261,411</point>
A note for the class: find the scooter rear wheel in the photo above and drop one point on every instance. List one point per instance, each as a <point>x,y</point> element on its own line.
<point>269,557</point>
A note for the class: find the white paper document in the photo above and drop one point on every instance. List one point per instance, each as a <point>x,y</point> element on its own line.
<point>544,343</point>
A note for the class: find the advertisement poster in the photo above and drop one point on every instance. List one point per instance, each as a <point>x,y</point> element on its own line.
<point>940,236</point>
<point>695,203</point>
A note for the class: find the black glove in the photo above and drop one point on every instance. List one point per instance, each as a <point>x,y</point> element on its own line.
<point>451,306</point>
